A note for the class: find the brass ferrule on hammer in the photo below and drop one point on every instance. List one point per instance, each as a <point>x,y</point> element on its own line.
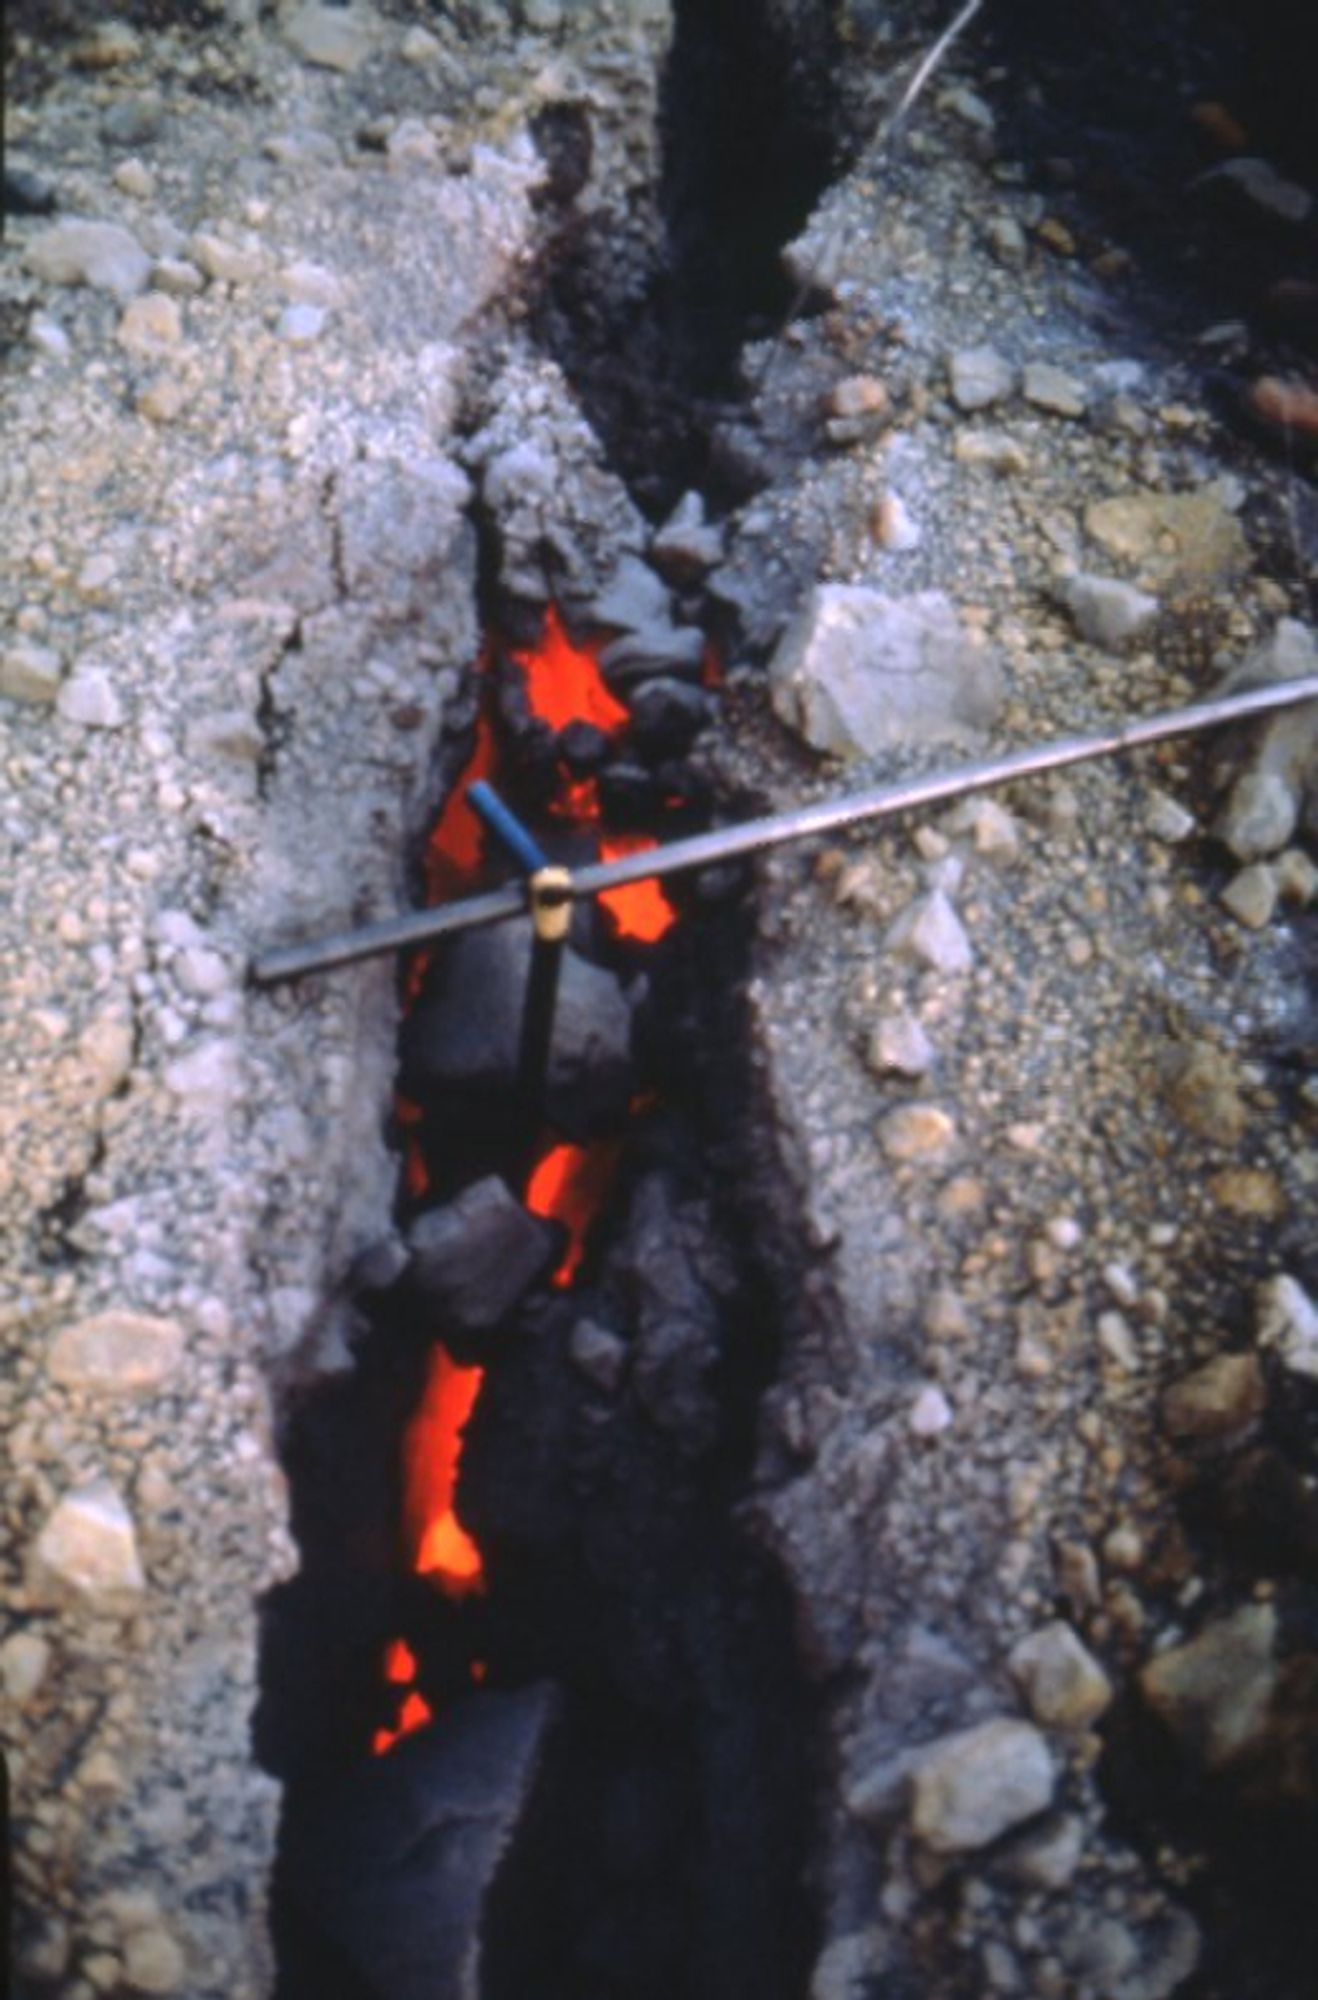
<point>549,892</point>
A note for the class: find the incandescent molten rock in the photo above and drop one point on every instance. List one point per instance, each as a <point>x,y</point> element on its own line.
<point>857,672</point>
<point>972,1786</point>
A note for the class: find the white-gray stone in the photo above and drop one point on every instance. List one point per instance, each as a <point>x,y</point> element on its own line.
<point>225,262</point>
<point>931,1413</point>
<point>88,1542</point>
<point>930,931</point>
<point>338,38</point>
<point>1251,896</point>
<point>29,672</point>
<point>301,324</point>
<point>899,1046</point>
<point>979,376</point>
<point>1259,817</point>
<point>857,671</point>
<point>150,323</point>
<point>1061,1680</point>
<point>1052,389</point>
<point>974,1785</point>
<point>116,1352</point>
<point>997,451</point>
<point>992,830</point>
<point>308,283</point>
<point>1288,1322</point>
<point>88,697</point>
<point>1107,611</point>
<point>24,1659</point>
<point>77,251</point>
<point>49,337</point>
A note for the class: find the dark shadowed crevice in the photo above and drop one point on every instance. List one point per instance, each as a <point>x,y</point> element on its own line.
<point>647,314</point>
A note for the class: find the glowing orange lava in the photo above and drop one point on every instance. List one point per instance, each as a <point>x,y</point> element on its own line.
<point>415,1711</point>
<point>640,909</point>
<point>455,848</point>
<point>564,683</point>
<point>569,1184</point>
<point>439,1547</point>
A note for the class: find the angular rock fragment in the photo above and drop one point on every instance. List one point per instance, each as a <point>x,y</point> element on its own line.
<point>119,1353</point>
<point>1259,817</point>
<point>1214,1693</point>
<point>475,1258</point>
<point>930,930</point>
<point>395,1858</point>
<point>917,1132</point>
<point>899,1046</point>
<point>1051,388</point>
<point>857,672</point>
<point>1288,1323</point>
<point>1215,1402</point>
<point>674,650</point>
<point>1107,611</point>
<point>29,672</point>
<point>339,38</point>
<point>1251,896</point>
<point>633,600</point>
<point>88,1542</point>
<point>974,1785</point>
<point>461,1040</point>
<point>686,547</point>
<point>1176,539</point>
<point>103,255</point>
<point>1060,1678</point>
<point>979,376</point>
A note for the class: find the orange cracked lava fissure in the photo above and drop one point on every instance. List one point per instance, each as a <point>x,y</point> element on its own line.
<point>569,1183</point>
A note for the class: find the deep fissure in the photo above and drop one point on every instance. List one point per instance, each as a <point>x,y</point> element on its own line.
<point>668,1638</point>
<point>648,313</point>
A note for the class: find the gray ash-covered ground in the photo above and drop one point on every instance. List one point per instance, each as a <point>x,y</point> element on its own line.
<point>1030,1147</point>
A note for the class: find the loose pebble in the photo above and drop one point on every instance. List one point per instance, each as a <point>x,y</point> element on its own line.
<point>931,1413</point>
<point>1063,1683</point>
<point>1251,896</point>
<point>917,1132</point>
<point>973,1786</point>
<point>88,1542</point>
<point>979,376</point>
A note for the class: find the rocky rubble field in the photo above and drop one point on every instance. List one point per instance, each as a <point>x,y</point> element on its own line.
<point>1034,1119</point>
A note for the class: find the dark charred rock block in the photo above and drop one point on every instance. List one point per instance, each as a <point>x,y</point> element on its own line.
<point>630,795</point>
<point>667,716</point>
<point>677,1327</point>
<point>633,600</point>
<point>460,1043</point>
<point>686,548</point>
<point>393,1862</point>
<point>475,1259</point>
<point>677,652</point>
<point>583,748</point>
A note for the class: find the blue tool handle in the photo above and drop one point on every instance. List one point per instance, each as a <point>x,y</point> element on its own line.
<point>506,826</point>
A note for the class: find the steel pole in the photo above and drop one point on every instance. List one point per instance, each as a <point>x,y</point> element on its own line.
<point>730,843</point>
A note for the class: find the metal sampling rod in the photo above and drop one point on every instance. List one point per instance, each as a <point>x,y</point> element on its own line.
<point>729,843</point>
